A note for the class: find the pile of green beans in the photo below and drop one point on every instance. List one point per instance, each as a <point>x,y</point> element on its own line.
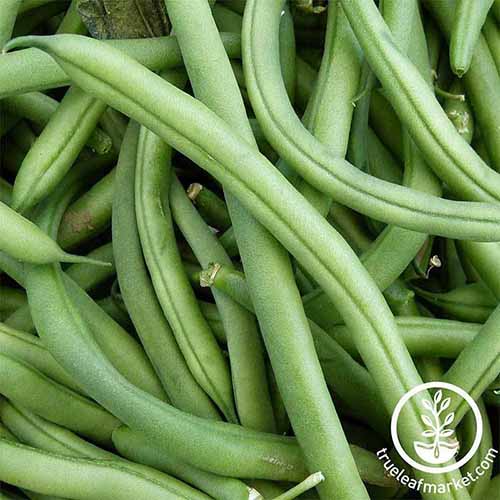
<point>229,250</point>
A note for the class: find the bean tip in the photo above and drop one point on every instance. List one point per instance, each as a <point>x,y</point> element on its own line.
<point>79,259</point>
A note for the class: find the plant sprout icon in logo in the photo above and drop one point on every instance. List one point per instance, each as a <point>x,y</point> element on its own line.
<point>437,452</point>
<point>443,447</point>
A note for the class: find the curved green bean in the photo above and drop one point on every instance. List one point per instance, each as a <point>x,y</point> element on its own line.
<point>480,80</point>
<point>154,331</point>
<point>135,447</point>
<point>175,295</point>
<point>30,388</point>
<point>329,259</point>
<point>23,240</point>
<point>312,406</point>
<point>85,479</point>
<point>246,352</point>
<point>10,9</point>
<point>469,21</point>
<point>89,215</point>
<point>57,147</point>
<point>39,108</point>
<point>155,53</point>
<point>30,349</point>
<point>446,153</point>
<point>312,161</point>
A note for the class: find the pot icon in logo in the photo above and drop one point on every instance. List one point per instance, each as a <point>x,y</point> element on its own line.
<point>435,452</point>
<point>444,445</point>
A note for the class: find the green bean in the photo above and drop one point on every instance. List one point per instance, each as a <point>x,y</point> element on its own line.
<point>337,272</point>
<point>123,350</point>
<point>452,160</point>
<point>175,295</point>
<point>81,478</point>
<point>468,23</point>
<point>39,108</point>
<point>88,278</point>
<point>480,80</point>
<point>326,444</point>
<point>72,22</point>
<point>10,9</point>
<point>482,256</point>
<point>56,148</point>
<point>89,215</point>
<point>11,298</point>
<point>493,492</point>
<point>29,387</point>
<point>155,53</point>
<point>5,191</point>
<point>329,112</point>
<point>472,302</point>
<point>29,349</point>
<point>478,488</point>
<point>472,376</point>
<point>246,357</point>
<point>492,36</point>
<point>133,446</point>
<point>351,185</point>
<point>210,206</point>
<point>145,311</point>
<point>34,431</point>
<point>23,240</point>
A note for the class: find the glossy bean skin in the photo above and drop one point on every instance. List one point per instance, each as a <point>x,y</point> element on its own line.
<point>264,260</point>
<point>156,53</point>
<point>155,333</point>
<point>174,293</point>
<point>366,325</point>
<point>246,352</point>
<point>469,20</point>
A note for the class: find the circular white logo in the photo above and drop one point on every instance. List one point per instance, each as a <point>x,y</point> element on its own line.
<point>439,444</point>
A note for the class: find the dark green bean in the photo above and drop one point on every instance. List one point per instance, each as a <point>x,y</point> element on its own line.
<point>210,206</point>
